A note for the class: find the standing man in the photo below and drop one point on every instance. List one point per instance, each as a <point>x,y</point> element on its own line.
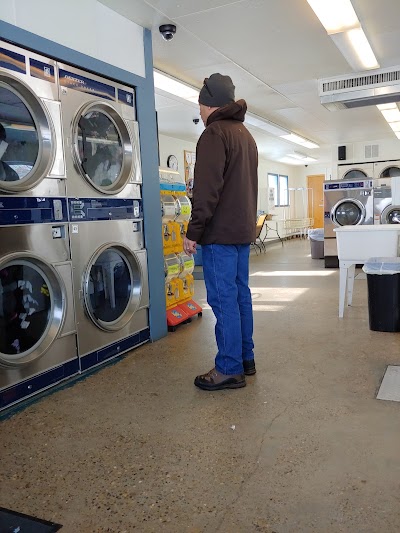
<point>223,221</point>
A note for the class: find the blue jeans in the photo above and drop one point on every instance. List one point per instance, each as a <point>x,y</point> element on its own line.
<point>226,275</point>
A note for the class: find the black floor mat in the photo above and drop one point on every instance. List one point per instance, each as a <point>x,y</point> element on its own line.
<point>13,522</point>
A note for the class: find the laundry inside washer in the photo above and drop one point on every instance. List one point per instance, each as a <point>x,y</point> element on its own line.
<point>25,307</point>
<point>31,144</point>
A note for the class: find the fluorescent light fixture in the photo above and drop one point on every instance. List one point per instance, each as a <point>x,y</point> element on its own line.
<point>175,87</point>
<point>391,115</point>
<point>341,23</point>
<point>264,124</point>
<point>336,15</point>
<point>292,137</point>
<point>302,157</point>
<point>356,49</point>
<point>391,105</point>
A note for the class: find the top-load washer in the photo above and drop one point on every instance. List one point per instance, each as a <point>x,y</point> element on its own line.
<point>356,171</point>
<point>101,135</point>
<point>31,145</point>
<point>386,169</point>
<point>346,203</point>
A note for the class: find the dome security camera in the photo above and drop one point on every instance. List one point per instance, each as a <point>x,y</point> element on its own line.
<point>196,120</point>
<point>167,31</point>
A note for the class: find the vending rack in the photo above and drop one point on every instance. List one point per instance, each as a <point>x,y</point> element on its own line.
<point>178,266</point>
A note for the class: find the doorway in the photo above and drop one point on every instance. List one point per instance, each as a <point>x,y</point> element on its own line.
<point>316,199</point>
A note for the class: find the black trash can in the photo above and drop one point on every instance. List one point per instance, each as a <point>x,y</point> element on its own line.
<point>383,278</point>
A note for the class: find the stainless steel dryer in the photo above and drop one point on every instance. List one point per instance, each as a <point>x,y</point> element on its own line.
<point>386,169</point>
<point>101,135</point>
<point>110,277</point>
<point>31,144</point>
<point>37,322</point>
<point>355,171</point>
<point>346,203</point>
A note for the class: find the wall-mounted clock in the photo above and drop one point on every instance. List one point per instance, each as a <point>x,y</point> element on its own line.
<point>172,162</point>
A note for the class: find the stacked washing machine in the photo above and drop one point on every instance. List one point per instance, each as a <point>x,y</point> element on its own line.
<point>387,192</point>
<point>102,157</point>
<point>73,266</point>
<point>37,323</point>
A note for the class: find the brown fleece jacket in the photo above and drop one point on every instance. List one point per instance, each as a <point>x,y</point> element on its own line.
<point>224,206</point>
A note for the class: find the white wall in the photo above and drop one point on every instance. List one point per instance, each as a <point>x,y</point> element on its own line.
<point>176,147</point>
<point>86,26</point>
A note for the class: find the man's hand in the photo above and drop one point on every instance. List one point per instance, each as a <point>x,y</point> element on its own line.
<point>189,247</point>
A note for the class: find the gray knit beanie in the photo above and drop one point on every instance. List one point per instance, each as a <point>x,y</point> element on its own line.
<point>217,91</point>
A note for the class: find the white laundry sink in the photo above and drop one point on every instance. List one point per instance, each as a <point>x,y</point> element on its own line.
<point>364,242</point>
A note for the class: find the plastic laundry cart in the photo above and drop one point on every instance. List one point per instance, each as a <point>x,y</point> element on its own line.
<point>383,276</point>
<point>316,237</point>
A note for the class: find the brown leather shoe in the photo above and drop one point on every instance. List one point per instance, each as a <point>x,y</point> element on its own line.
<point>215,380</point>
<point>249,367</point>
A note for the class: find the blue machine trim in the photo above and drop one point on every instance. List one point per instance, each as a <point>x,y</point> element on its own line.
<point>32,210</point>
<point>90,209</point>
<point>149,148</point>
<point>40,70</point>
<point>35,384</point>
<point>114,350</point>
<point>86,85</point>
<point>12,61</point>
<point>125,97</point>
<point>172,187</point>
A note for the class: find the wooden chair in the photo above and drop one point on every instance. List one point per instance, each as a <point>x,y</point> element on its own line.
<point>259,243</point>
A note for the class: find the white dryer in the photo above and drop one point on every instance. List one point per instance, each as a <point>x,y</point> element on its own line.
<point>37,321</point>
<point>386,169</point>
<point>110,284</point>
<point>31,144</point>
<point>355,171</point>
<point>102,150</point>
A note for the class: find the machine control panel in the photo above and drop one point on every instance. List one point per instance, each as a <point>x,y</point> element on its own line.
<point>344,184</point>
<point>91,209</point>
<point>32,210</point>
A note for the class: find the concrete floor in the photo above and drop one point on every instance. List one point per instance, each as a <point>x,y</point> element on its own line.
<point>304,447</point>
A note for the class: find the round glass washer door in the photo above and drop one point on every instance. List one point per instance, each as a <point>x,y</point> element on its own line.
<point>102,148</point>
<point>27,139</point>
<point>355,174</point>
<point>391,215</point>
<point>112,287</point>
<point>390,172</point>
<point>32,309</point>
<point>348,212</point>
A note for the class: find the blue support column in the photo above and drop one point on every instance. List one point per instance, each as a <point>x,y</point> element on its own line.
<point>151,195</point>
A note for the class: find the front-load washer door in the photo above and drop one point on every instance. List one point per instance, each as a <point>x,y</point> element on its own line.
<point>355,174</point>
<point>391,215</point>
<point>390,172</point>
<point>32,309</point>
<point>27,138</point>
<point>348,212</point>
<point>112,287</point>
<point>102,148</point>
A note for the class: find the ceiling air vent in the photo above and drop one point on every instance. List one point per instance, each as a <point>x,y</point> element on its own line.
<point>380,86</point>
